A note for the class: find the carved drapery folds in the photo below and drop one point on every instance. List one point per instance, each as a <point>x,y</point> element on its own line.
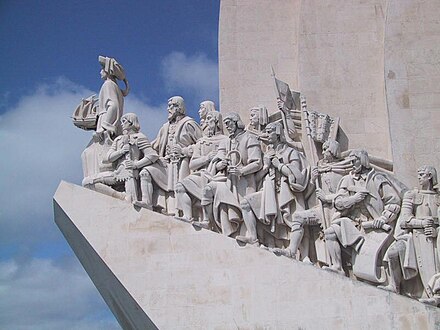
<point>282,183</point>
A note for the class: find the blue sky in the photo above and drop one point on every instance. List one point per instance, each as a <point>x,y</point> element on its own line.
<point>48,52</point>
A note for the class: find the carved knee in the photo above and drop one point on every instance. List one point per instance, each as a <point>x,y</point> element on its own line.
<point>180,188</point>
<point>207,195</point>
<point>395,249</point>
<point>145,175</point>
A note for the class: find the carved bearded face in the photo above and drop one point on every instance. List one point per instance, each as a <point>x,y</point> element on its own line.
<point>254,117</point>
<point>231,126</point>
<point>424,178</point>
<point>173,109</point>
<point>211,122</point>
<point>326,153</point>
<point>272,136</point>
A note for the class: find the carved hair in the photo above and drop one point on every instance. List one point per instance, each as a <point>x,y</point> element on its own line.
<point>132,118</point>
<point>179,100</point>
<point>362,155</point>
<point>235,117</point>
<point>209,105</point>
<point>333,147</point>
<point>278,128</point>
<point>430,170</point>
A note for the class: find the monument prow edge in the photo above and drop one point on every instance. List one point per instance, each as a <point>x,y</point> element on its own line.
<point>154,271</point>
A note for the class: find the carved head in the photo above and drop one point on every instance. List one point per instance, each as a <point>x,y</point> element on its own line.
<point>427,175</point>
<point>205,107</point>
<point>360,160</point>
<point>331,149</point>
<point>214,122</point>
<point>258,116</point>
<point>232,122</point>
<point>130,122</point>
<point>275,133</point>
<point>111,68</point>
<point>176,107</point>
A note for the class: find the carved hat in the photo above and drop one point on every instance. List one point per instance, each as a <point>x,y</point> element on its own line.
<point>112,67</point>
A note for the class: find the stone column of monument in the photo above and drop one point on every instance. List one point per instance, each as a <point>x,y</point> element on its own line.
<point>373,63</point>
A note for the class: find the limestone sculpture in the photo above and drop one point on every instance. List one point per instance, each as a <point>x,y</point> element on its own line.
<point>282,182</point>
<point>102,115</point>
<point>205,107</point>
<point>367,205</point>
<point>235,165</point>
<point>285,173</point>
<point>173,144</point>
<point>189,189</point>
<point>413,256</point>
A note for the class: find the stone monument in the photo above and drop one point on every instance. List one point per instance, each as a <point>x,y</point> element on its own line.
<point>280,223</point>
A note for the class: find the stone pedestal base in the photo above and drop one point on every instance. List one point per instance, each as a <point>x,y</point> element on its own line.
<point>155,271</point>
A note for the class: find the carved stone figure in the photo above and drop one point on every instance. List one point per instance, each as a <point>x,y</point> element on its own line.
<point>414,253</point>
<point>110,107</point>
<point>129,152</point>
<point>189,190</point>
<point>173,144</point>
<point>111,97</point>
<point>367,205</point>
<point>205,107</point>
<point>327,174</point>
<point>258,119</point>
<point>236,163</point>
<point>285,179</point>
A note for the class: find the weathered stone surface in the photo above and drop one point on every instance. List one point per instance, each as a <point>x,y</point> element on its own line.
<point>154,269</point>
<point>373,63</point>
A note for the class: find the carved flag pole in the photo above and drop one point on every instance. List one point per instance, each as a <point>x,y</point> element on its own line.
<point>313,151</point>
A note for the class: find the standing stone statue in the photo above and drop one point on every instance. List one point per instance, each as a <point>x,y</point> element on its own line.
<point>111,97</point>
<point>205,108</point>
<point>367,205</point>
<point>286,176</point>
<point>173,144</point>
<point>110,107</point>
<point>189,190</point>
<point>331,168</point>
<point>238,160</point>
<point>414,253</point>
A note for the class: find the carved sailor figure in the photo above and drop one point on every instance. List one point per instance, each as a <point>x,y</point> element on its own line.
<point>173,144</point>
<point>331,168</point>
<point>236,163</point>
<point>285,173</point>
<point>189,190</point>
<point>414,253</point>
<point>367,206</point>
<point>205,108</point>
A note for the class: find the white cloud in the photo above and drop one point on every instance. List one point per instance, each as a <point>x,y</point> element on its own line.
<point>42,294</point>
<point>40,146</point>
<point>193,74</point>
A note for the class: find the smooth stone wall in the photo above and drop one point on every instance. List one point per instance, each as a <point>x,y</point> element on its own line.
<point>373,63</point>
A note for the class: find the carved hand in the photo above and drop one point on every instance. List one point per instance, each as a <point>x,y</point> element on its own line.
<point>430,231</point>
<point>359,196</point>
<point>125,148</point>
<point>280,104</point>
<point>321,195</point>
<point>314,173</point>
<point>129,164</point>
<point>276,162</point>
<point>378,223</point>
<point>221,165</point>
<point>428,222</point>
<point>234,171</point>
<point>176,149</point>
